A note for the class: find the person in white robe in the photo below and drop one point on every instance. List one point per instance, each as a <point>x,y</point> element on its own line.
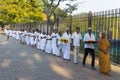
<point>10,33</point>
<point>32,38</point>
<point>7,33</point>
<point>27,38</point>
<point>20,34</point>
<point>66,46</point>
<point>43,39</point>
<point>23,36</point>
<point>35,38</point>
<point>54,42</point>
<point>48,44</point>
<point>38,44</point>
<point>59,44</point>
<point>17,34</point>
<point>14,33</point>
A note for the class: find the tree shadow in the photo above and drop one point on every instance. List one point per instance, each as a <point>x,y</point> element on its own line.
<point>22,62</point>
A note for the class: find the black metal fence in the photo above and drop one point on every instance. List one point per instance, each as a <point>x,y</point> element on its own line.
<point>108,20</point>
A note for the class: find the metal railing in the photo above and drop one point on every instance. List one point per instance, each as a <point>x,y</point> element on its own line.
<point>108,20</point>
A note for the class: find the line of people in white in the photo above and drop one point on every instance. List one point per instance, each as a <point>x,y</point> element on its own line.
<point>53,44</point>
<point>50,43</point>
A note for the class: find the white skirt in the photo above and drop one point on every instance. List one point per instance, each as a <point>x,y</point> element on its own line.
<point>43,46</point>
<point>31,41</point>
<point>48,47</point>
<point>66,51</point>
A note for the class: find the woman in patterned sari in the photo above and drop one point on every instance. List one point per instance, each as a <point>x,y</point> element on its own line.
<point>104,60</point>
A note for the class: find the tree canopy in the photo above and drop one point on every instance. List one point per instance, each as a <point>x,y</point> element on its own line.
<point>20,11</point>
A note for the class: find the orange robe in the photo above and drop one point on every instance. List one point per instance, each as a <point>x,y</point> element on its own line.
<point>104,59</point>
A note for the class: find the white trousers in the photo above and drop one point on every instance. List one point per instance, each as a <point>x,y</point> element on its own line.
<point>76,52</point>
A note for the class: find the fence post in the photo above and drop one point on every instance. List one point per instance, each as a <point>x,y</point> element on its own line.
<point>57,23</point>
<point>47,26</point>
<point>90,19</point>
<point>71,24</point>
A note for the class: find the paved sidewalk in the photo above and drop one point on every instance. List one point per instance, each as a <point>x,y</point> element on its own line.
<point>22,62</point>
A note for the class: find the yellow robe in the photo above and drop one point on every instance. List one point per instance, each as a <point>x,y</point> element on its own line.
<point>104,59</point>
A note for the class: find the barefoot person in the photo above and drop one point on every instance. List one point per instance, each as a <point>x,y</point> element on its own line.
<point>104,60</point>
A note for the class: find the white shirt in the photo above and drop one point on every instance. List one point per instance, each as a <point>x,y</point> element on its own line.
<point>87,37</point>
<point>76,38</point>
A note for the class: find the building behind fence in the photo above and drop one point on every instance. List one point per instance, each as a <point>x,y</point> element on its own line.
<point>108,20</point>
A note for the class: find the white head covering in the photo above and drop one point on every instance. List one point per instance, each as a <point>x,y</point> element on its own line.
<point>89,28</point>
<point>67,28</point>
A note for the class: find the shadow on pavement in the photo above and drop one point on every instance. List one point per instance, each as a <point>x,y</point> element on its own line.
<point>22,62</point>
